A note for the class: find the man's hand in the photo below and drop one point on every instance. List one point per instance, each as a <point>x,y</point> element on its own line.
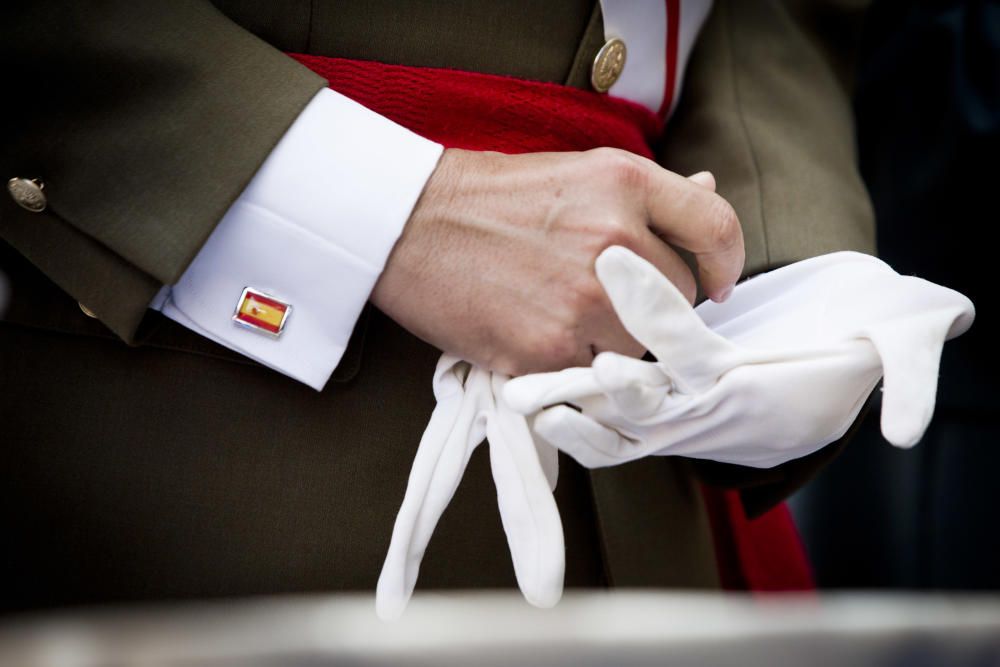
<point>496,263</point>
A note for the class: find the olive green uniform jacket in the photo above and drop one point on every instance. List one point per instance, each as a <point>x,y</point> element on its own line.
<point>141,461</point>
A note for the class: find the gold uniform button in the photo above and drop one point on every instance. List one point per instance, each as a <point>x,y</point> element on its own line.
<point>608,65</point>
<point>86,311</point>
<point>28,193</point>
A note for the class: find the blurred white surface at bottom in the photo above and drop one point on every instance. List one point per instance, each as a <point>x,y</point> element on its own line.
<point>485,629</point>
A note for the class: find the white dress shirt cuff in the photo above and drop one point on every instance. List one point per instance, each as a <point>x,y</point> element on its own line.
<point>314,229</point>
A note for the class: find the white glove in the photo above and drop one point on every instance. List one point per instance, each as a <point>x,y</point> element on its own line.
<point>469,408</point>
<point>778,371</point>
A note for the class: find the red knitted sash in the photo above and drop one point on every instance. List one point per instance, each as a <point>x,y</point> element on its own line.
<point>487,112</point>
<point>498,113</point>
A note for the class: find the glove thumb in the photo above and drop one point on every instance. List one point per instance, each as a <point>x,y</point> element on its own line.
<point>657,315</point>
<point>910,350</point>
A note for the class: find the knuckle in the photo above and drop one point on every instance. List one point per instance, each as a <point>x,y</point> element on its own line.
<point>615,231</point>
<point>611,227</point>
<point>621,168</point>
<point>605,154</point>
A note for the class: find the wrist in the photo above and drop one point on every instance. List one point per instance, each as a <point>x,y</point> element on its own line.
<point>412,255</point>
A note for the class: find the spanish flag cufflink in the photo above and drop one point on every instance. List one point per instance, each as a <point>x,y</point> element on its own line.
<point>261,312</point>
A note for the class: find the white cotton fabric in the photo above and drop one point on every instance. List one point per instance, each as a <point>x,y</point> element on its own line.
<point>314,228</point>
<point>778,371</point>
<point>470,407</point>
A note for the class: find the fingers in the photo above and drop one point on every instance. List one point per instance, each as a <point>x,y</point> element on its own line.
<point>531,393</point>
<point>910,352</point>
<point>687,213</point>
<point>663,257</point>
<point>605,330</point>
<point>527,508</point>
<point>607,333</point>
<point>437,469</point>
<point>593,445</point>
<point>548,457</point>
<point>636,388</point>
<point>659,316</point>
<point>643,298</point>
<point>652,248</point>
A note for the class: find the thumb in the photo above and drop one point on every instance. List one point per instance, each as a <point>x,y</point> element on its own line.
<point>657,315</point>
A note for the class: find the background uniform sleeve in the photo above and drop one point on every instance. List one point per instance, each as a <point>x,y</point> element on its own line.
<point>766,108</point>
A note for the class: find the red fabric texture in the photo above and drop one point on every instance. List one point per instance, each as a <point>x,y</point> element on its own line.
<point>490,113</point>
<point>486,112</point>
<point>764,554</point>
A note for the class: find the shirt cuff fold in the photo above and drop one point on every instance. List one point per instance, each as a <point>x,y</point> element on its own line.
<point>314,229</point>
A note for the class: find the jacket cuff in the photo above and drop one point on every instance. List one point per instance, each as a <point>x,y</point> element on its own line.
<point>313,229</point>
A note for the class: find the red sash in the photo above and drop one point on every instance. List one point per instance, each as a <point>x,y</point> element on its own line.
<point>487,112</point>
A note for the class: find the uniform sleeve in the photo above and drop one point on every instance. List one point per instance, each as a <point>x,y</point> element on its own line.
<point>145,121</point>
<point>313,229</point>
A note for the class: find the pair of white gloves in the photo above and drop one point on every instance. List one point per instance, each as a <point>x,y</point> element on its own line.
<point>778,371</point>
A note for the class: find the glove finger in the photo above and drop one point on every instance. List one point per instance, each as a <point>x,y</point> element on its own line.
<point>530,393</point>
<point>636,388</point>
<point>548,456</point>
<point>528,509</point>
<point>442,456</point>
<point>657,315</point>
<point>910,350</point>
<point>591,443</point>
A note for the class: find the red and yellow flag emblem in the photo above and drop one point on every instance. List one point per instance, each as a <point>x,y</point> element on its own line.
<point>260,311</point>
